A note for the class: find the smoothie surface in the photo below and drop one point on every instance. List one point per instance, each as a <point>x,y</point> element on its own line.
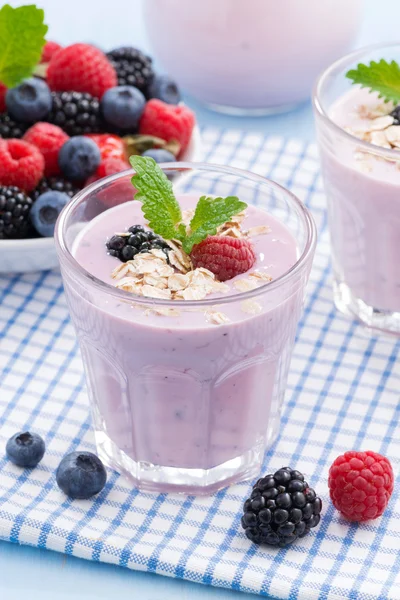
<point>276,251</point>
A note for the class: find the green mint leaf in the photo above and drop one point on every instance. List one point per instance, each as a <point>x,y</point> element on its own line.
<point>154,191</point>
<point>22,38</point>
<point>382,77</point>
<point>209,215</point>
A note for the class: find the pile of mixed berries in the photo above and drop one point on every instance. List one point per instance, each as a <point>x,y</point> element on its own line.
<point>77,122</point>
<point>282,506</point>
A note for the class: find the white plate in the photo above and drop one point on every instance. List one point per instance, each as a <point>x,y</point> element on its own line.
<point>39,254</point>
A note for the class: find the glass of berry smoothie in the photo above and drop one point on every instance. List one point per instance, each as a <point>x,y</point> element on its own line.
<point>186,336</point>
<point>252,57</point>
<point>359,140</point>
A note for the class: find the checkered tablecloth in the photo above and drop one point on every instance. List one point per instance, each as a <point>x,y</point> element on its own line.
<point>343,393</point>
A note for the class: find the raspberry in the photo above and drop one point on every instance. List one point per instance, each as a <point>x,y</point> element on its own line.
<point>168,122</point>
<point>111,165</point>
<point>109,145</point>
<point>49,49</point>
<point>108,166</point>
<point>21,164</point>
<point>360,484</point>
<point>49,139</point>
<point>81,68</point>
<point>3,90</point>
<point>224,256</point>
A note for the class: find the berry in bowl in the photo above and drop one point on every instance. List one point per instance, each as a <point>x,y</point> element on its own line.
<point>64,128</point>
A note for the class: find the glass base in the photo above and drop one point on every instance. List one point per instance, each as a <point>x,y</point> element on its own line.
<point>234,111</point>
<point>147,476</point>
<point>373,318</point>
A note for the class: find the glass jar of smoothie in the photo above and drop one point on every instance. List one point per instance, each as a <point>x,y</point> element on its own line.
<point>360,161</point>
<point>250,56</point>
<point>186,394</point>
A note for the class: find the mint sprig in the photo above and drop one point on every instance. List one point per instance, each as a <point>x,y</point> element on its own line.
<point>210,213</point>
<point>162,210</point>
<point>382,77</point>
<point>154,191</point>
<point>22,37</point>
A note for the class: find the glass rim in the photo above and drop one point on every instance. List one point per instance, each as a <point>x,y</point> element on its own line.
<point>321,112</point>
<point>63,251</point>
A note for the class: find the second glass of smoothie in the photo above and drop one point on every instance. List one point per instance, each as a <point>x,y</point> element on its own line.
<point>186,393</point>
<point>361,171</point>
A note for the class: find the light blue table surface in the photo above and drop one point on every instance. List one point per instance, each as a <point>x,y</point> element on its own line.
<point>45,575</point>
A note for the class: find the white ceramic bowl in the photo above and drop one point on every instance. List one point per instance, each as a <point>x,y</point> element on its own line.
<point>39,254</point>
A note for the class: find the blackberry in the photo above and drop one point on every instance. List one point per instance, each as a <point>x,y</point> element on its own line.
<point>58,184</point>
<point>132,67</point>
<point>15,207</point>
<point>125,247</point>
<point>396,115</point>
<point>281,509</point>
<point>10,128</point>
<point>76,113</point>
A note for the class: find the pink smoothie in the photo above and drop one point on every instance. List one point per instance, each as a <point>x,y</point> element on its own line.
<point>363,193</point>
<point>250,54</point>
<point>181,392</point>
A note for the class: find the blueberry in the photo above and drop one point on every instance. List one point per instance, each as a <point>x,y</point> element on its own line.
<point>78,158</point>
<point>45,211</point>
<point>81,475</point>
<point>122,107</point>
<point>25,449</point>
<point>160,155</point>
<point>30,101</point>
<point>164,88</point>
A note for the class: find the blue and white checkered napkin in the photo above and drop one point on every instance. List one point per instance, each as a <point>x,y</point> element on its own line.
<point>343,393</point>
